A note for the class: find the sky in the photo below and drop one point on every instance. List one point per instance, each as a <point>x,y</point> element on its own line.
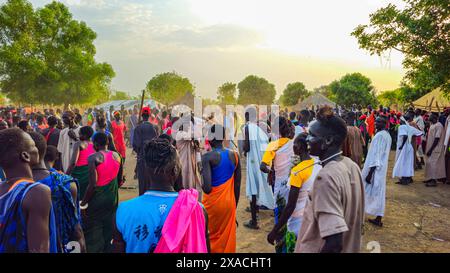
<point>214,41</point>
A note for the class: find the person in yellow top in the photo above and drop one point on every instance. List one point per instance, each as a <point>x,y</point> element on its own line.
<point>278,156</point>
<point>301,180</point>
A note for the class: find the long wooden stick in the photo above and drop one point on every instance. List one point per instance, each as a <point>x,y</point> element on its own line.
<point>142,106</point>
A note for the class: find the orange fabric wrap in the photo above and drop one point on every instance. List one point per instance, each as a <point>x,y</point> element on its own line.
<point>220,205</point>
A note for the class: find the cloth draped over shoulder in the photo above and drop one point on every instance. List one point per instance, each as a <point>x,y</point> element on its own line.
<point>188,158</point>
<point>184,230</point>
<point>256,183</point>
<point>220,205</point>
<point>67,210</point>
<point>13,234</point>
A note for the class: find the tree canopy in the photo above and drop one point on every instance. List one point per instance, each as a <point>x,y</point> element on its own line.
<point>421,32</point>
<point>325,91</point>
<point>226,94</point>
<point>256,90</point>
<point>353,89</point>
<point>402,96</point>
<point>48,57</point>
<point>120,95</point>
<point>168,87</point>
<point>293,93</point>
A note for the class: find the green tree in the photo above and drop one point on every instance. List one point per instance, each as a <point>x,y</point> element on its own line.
<point>293,93</point>
<point>226,94</point>
<point>421,32</point>
<point>2,99</point>
<point>353,89</point>
<point>48,57</point>
<point>391,97</point>
<point>325,91</point>
<point>168,87</point>
<point>256,90</point>
<point>120,95</point>
<point>408,94</point>
<point>206,102</point>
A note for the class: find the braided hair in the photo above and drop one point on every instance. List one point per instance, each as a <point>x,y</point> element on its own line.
<point>160,156</point>
<point>335,125</point>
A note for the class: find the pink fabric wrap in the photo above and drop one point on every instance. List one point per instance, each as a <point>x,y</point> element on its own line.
<point>108,170</point>
<point>184,229</point>
<point>84,155</point>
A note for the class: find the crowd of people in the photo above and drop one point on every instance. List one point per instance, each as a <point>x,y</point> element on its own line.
<point>320,171</point>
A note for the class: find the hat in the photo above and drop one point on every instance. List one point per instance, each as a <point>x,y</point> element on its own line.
<point>146,110</point>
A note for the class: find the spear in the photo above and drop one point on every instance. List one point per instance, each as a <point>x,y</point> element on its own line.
<point>142,106</point>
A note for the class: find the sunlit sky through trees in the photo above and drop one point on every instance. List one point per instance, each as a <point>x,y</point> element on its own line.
<point>215,41</point>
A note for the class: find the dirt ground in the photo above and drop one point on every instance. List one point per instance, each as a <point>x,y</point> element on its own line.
<point>417,218</point>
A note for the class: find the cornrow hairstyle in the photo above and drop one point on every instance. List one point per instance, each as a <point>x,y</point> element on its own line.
<point>11,143</point>
<point>335,124</point>
<point>160,156</point>
<point>40,142</point>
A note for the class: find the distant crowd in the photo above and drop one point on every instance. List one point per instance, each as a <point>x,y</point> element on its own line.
<point>320,170</point>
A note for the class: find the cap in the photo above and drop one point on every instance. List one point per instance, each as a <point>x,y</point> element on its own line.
<point>146,110</point>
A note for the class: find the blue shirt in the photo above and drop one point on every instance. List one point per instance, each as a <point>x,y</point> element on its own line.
<point>140,220</point>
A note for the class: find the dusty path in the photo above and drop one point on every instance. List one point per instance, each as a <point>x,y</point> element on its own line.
<point>417,218</point>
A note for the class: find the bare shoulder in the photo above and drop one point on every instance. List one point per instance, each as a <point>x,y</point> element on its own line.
<point>95,158</point>
<point>117,156</point>
<point>38,197</point>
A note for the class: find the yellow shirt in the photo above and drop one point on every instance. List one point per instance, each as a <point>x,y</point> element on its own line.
<point>299,175</point>
<point>272,148</point>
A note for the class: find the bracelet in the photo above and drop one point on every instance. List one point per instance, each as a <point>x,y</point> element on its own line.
<point>84,207</point>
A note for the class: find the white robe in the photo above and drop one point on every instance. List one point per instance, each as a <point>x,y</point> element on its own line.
<point>377,156</point>
<point>65,146</point>
<point>256,183</point>
<point>404,159</point>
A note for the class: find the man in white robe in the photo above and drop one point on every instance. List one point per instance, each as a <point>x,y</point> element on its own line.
<point>67,138</point>
<point>257,188</point>
<point>404,157</point>
<point>375,171</point>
